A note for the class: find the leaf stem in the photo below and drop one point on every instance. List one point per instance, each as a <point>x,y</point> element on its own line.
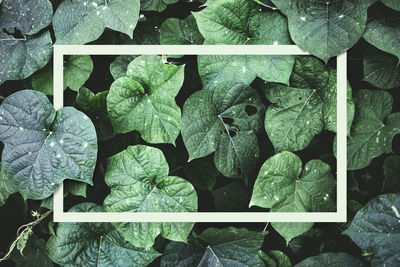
<point>27,230</point>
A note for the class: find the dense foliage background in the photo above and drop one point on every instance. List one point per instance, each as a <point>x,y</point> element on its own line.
<point>267,127</point>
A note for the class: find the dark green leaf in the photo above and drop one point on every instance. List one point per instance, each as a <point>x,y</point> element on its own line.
<point>391,169</point>
<point>332,259</point>
<point>376,228</point>
<point>224,121</point>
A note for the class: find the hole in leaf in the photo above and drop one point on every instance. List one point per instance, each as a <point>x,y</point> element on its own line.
<point>250,110</point>
<point>228,121</point>
<point>232,133</point>
<point>14,32</point>
<point>300,98</point>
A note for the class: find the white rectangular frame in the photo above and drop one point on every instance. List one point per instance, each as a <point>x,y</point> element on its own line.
<point>209,217</point>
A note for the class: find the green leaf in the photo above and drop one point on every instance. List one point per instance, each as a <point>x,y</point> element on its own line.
<point>201,173</point>
<point>155,5</point>
<point>139,182</point>
<point>34,252</point>
<point>75,188</point>
<point>283,186</point>
<point>94,244</point>
<point>384,34</point>
<point>29,17</point>
<point>303,109</point>
<point>280,258</point>
<point>224,121</point>
<point>391,170</point>
<point>119,66</point>
<point>144,100</point>
<point>393,4</point>
<point>44,147</point>
<point>20,58</point>
<point>6,187</point>
<point>325,28</point>
<point>373,128</point>
<point>95,106</point>
<point>334,259</point>
<point>241,22</point>
<point>82,21</point>
<point>381,70</point>
<point>376,228</point>
<point>43,81</point>
<point>77,70</point>
<point>222,247</point>
<point>174,31</point>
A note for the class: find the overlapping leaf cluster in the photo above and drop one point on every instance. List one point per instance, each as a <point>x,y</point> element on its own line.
<point>179,133</point>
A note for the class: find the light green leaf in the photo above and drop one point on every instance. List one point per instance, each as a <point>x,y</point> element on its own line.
<point>303,109</point>
<point>373,128</point>
<point>95,106</point>
<point>139,182</point>
<point>44,147</point>
<point>77,70</point>
<point>222,247</point>
<point>19,58</point>
<point>384,34</point>
<point>82,21</point>
<point>283,186</point>
<point>119,66</point>
<point>381,69</point>
<point>325,28</point>
<point>42,80</point>
<point>155,5</point>
<point>6,187</point>
<point>34,252</point>
<point>94,244</point>
<point>241,22</point>
<point>391,170</point>
<point>333,259</point>
<point>376,229</point>
<point>394,4</point>
<point>145,100</point>
<point>224,121</point>
<point>174,31</point>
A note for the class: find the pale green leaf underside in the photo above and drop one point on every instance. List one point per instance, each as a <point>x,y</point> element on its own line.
<point>325,28</point>
<point>94,244</point>
<point>144,100</point>
<point>139,182</point>
<point>224,121</point>
<point>283,186</point>
<point>82,21</point>
<point>42,147</point>
<point>376,228</point>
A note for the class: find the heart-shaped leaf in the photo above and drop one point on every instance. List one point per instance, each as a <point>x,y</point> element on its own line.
<point>139,182</point>
<point>82,21</point>
<point>144,100</point>
<point>225,121</point>
<point>304,108</point>
<point>283,186</point>
<point>241,22</point>
<point>44,147</point>
<point>376,228</point>
<point>325,28</point>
